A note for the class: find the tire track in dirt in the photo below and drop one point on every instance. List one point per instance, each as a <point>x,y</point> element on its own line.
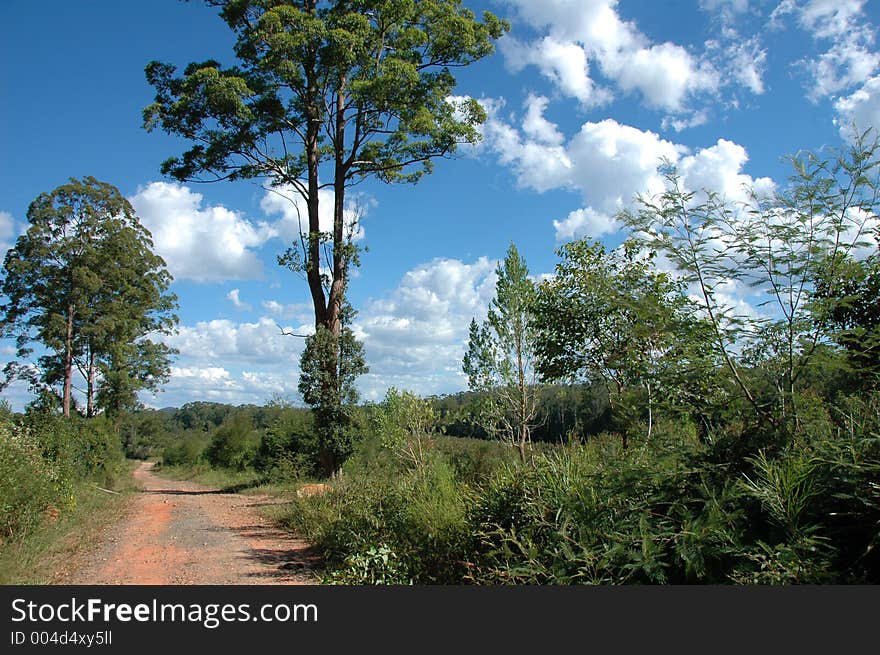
<point>179,532</point>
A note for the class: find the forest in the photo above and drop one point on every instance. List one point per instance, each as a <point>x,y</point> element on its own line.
<point>624,422</point>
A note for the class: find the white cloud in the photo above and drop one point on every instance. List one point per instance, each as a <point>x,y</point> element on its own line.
<point>213,243</point>
<point>273,307</point>
<point>233,297</point>
<point>585,222</point>
<point>229,362</point>
<point>746,60</point>
<point>614,162</point>
<point>215,376</point>
<point>725,7</point>
<point>566,64</point>
<point>205,244</point>
<point>666,75</point>
<point>536,126</point>
<point>860,109</point>
<point>718,168</point>
<point>220,384</point>
<point>608,164</point>
<point>220,341</point>
<point>415,336</point>
<point>8,233</point>
<point>301,311</point>
<point>850,58</point>
<point>679,124</point>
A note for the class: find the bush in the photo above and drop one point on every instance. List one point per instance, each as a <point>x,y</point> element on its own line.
<point>28,483</point>
<point>42,456</point>
<point>187,450</point>
<point>419,516</point>
<point>289,447</point>
<point>234,444</point>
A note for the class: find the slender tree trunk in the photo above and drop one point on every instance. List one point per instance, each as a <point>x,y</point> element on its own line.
<point>68,363</point>
<point>650,410</point>
<point>90,391</point>
<point>523,412</point>
<point>340,263</point>
<point>313,256</point>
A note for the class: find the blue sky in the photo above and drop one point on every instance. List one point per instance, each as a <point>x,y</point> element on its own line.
<point>583,96</point>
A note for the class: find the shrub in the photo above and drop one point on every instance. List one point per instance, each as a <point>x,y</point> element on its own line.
<point>289,446</point>
<point>234,444</point>
<point>28,483</point>
<point>420,516</point>
<point>187,450</point>
<point>42,456</point>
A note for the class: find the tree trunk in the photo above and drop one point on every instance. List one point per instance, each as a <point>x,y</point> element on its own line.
<point>340,261</point>
<point>327,461</point>
<point>313,256</point>
<point>68,363</point>
<point>90,391</point>
<point>523,400</point>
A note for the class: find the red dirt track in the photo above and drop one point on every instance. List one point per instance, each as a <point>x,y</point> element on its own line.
<point>182,533</point>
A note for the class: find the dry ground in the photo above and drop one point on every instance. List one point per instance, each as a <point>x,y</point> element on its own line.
<point>177,532</point>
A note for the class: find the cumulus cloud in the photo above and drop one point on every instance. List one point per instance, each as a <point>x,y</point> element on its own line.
<point>301,311</point>
<point>582,222</point>
<point>415,336</point>
<point>849,38</point>
<point>198,242</point>
<point>719,168</point>
<point>566,64</point>
<point>728,8</point>
<point>607,163</point>
<point>219,384</point>
<point>233,297</point>
<point>861,109</point>
<point>225,361</point>
<point>666,75</point>
<point>220,341</point>
<point>536,126</point>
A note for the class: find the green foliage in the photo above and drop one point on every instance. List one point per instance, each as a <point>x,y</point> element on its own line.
<point>377,565</point>
<point>847,295</point>
<point>792,244</point>
<point>28,483</point>
<point>186,450</point>
<point>402,422</point>
<point>328,368</point>
<point>234,444</point>
<point>42,458</point>
<point>609,316</point>
<point>417,517</point>
<point>388,64</point>
<point>289,447</point>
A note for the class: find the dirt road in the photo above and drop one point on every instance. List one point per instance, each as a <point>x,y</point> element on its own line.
<point>183,533</point>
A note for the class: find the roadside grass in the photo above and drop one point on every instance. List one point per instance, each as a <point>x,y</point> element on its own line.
<point>44,556</point>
